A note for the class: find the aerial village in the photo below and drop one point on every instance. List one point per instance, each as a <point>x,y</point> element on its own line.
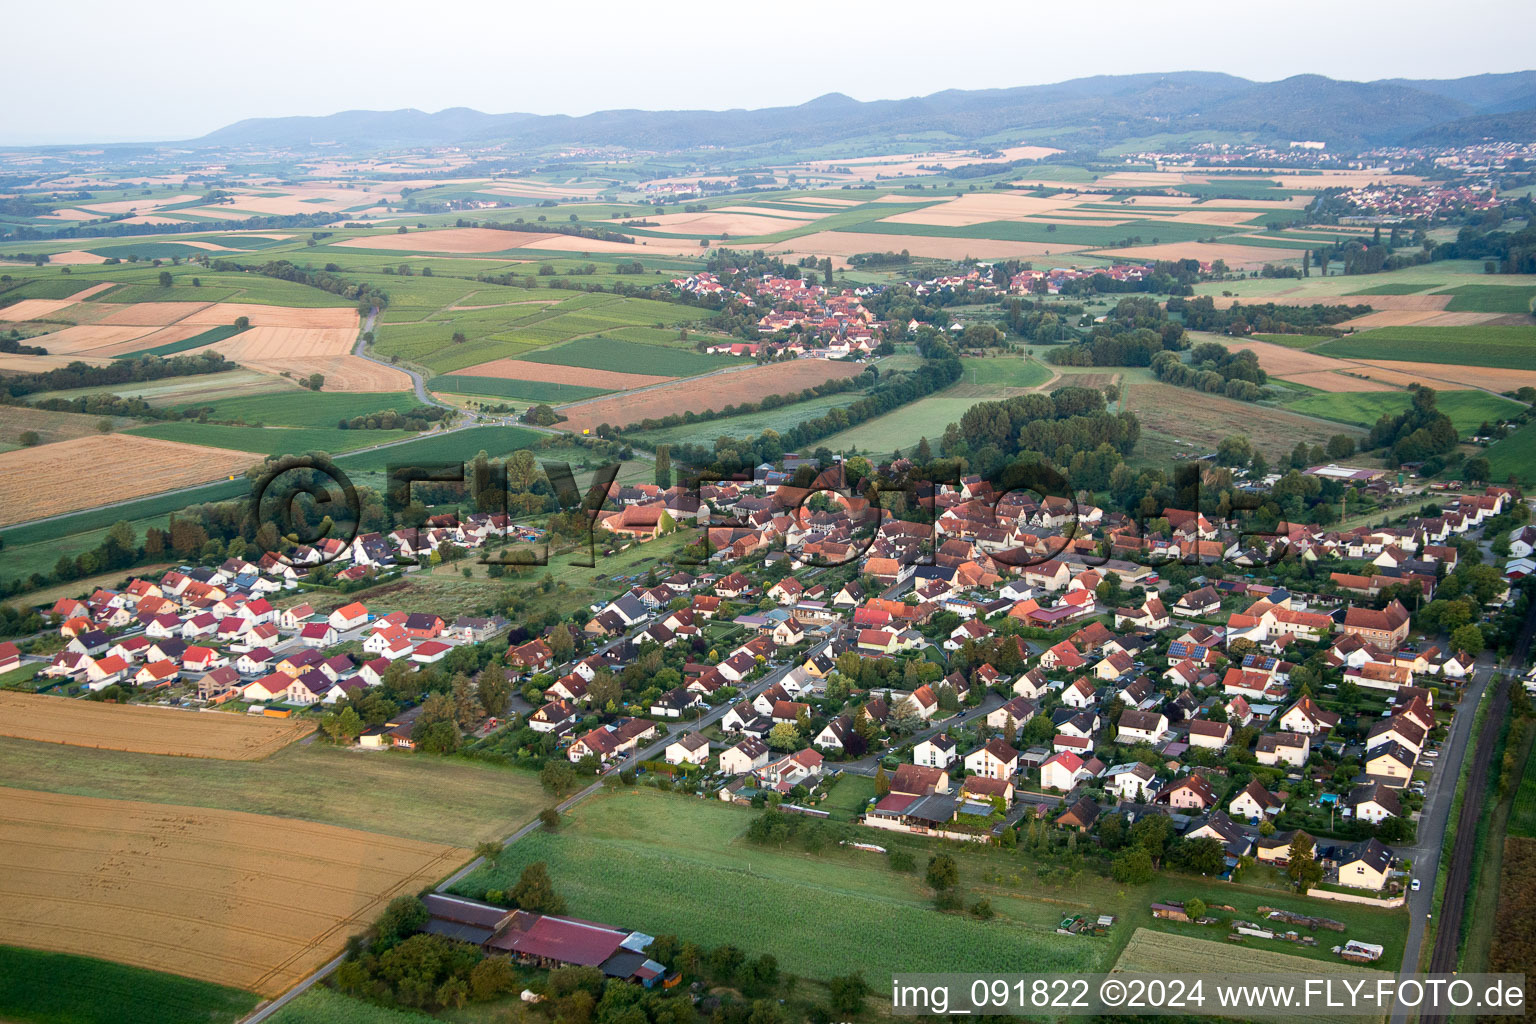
<point>1013,660</point>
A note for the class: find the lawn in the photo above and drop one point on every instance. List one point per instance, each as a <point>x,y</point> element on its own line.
<point>439,800</point>
<point>271,440</point>
<point>1510,348</point>
<point>56,988</point>
<point>1467,409</point>
<point>1515,454</point>
<point>295,408</point>
<point>631,357</point>
<point>321,1005</point>
<point>1006,372</point>
<point>1490,298</point>
<point>674,865</point>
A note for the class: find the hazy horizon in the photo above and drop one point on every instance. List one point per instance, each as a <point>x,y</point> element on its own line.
<point>310,60</point>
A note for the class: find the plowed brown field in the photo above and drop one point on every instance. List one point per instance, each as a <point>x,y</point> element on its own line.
<point>146,730</point>
<point>706,393</point>
<point>92,471</point>
<point>240,899</point>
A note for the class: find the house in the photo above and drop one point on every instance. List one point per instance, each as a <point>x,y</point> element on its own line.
<point>983,789</point>
<point>1192,792</point>
<point>10,657</point>
<point>293,618</point>
<point>157,673</point>
<point>1060,771</point>
<point>834,735</point>
<point>689,748</point>
<point>993,760</point>
<point>1373,803</point>
<point>1014,713</point>
<point>270,687</point>
<point>1141,726</point>
<point>676,702</point>
<point>1031,685</point>
<point>1078,694</point>
<point>1292,748</point>
<point>1398,729</point>
<point>429,652</point>
<point>317,634</point>
<point>556,716</point>
<point>1390,764</point>
<point>104,672</point>
<point>748,755</point>
<point>1387,628</point>
<point>531,657</point>
<point>1132,782</point>
<point>201,659</point>
<point>1080,817</point>
<point>1307,718</point>
<point>1254,802</point>
<point>1208,734</point>
<point>935,752</point>
<point>348,616</point>
<point>1365,866</point>
<point>919,780</point>
<point>613,740</point>
<point>1200,603</point>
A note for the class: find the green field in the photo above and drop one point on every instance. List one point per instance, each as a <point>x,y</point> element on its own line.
<point>1038,231</point>
<point>208,337</point>
<point>296,408</point>
<point>1510,348</point>
<point>1006,372</point>
<point>1467,409</point>
<point>1515,454</point>
<point>460,445</point>
<point>438,800</point>
<point>1490,298</point>
<point>56,287</point>
<point>750,424</point>
<point>171,391</point>
<point>1522,816</point>
<point>271,440</point>
<point>696,877</point>
<point>903,427</point>
<point>524,390</point>
<point>146,250</point>
<point>321,1005</point>
<point>630,357</point>
<point>56,988</point>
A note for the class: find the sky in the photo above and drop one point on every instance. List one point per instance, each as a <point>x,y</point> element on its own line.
<point>176,70</point>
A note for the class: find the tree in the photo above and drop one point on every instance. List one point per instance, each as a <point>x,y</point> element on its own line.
<point>1340,446</point>
<point>1469,638</point>
<point>1134,867</point>
<point>1194,909</point>
<point>1303,870</point>
<point>784,736</point>
<point>165,279</point>
<point>405,916</point>
<point>492,977</point>
<point>664,465</point>
<point>943,872</point>
<point>549,817</point>
<point>535,892</point>
<point>28,438</point>
<point>558,777</point>
<point>848,993</point>
<point>493,690</point>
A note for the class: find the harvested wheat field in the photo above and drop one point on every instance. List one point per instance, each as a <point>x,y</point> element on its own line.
<point>736,221</point>
<point>703,393</point>
<point>552,373</point>
<point>981,207</point>
<point>342,373</point>
<point>37,364</point>
<point>1280,361</point>
<point>1443,375</point>
<point>75,258</point>
<point>847,243</point>
<point>301,351</point>
<point>88,338</point>
<point>49,426</point>
<point>89,472</point>
<point>38,309</point>
<point>1206,252</point>
<point>224,736</point>
<point>1415,318</point>
<point>1302,297</point>
<point>335,317</point>
<point>241,899</point>
<point>1344,379</point>
<point>156,314</point>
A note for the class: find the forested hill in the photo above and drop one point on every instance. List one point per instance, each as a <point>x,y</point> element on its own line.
<point>1084,111</point>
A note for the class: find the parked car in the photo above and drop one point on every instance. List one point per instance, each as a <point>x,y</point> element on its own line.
<point>1414,885</point>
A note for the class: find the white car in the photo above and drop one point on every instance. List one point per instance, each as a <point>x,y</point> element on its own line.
<point>1414,885</point>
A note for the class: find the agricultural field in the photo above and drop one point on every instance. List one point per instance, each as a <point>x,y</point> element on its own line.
<point>1467,409</point>
<point>1512,348</point>
<point>321,1005</point>
<point>531,392</point>
<point>49,426</point>
<point>714,392</point>
<point>147,730</point>
<point>688,880</point>
<point>206,389</point>
<point>498,442</point>
<point>902,428</point>
<point>434,800</point>
<point>654,360</point>
<point>535,371</point>
<point>1522,815</point>
<point>301,408</point>
<point>749,425</point>
<point>1490,298</point>
<point>197,892</point>
<point>30,489</point>
<point>271,440</point>
<point>57,988</point>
